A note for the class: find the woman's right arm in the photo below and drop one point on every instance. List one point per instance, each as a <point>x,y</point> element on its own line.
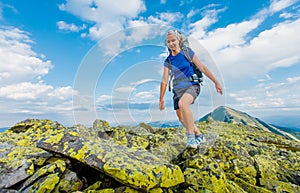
<point>163,87</point>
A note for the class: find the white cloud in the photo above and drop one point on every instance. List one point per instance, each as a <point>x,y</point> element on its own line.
<point>112,17</point>
<point>23,94</point>
<point>145,96</point>
<point>103,98</point>
<point>278,5</point>
<point>239,54</point>
<point>286,15</point>
<point>24,91</point>
<point>209,17</point>
<point>142,82</point>
<point>125,89</point>
<point>108,16</point>
<point>271,49</point>
<point>231,36</point>
<point>31,91</point>
<point>191,13</point>
<point>18,61</point>
<point>269,95</point>
<point>293,80</point>
<point>35,100</point>
<point>62,25</point>
<point>166,18</point>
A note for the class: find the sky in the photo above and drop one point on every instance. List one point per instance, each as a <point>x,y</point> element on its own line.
<point>74,61</point>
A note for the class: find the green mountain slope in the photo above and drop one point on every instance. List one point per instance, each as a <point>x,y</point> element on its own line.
<point>229,115</point>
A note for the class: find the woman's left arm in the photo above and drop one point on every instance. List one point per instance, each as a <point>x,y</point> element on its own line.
<point>208,73</point>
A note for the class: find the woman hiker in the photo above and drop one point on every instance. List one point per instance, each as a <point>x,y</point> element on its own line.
<point>185,91</point>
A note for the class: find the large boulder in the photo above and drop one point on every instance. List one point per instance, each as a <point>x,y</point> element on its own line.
<point>131,166</point>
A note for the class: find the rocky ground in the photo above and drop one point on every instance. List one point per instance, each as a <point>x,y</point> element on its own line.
<point>45,156</point>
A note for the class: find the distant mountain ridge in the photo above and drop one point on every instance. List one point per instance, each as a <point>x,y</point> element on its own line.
<point>229,115</point>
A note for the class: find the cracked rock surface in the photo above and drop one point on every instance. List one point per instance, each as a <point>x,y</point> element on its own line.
<point>45,156</point>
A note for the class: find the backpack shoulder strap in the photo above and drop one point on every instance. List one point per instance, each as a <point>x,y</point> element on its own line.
<point>198,73</point>
<point>168,60</point>
<point>187,54</point>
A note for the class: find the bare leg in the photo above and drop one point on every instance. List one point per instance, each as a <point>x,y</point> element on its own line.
<point>180,118</point>
<point>186,113</point>
<point>178,113</point>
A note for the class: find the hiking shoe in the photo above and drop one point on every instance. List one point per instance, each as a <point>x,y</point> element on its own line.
<point>200,139</point>
<point>191,143</point>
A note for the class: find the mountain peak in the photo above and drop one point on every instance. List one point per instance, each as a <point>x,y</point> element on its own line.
<point>230,115</point>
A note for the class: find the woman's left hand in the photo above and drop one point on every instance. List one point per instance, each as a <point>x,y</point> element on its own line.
<point>219,88</point>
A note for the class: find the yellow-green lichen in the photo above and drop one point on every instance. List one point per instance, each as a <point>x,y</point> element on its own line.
<point>94,186</point>
<point>46,185</point>
<point>108,190</point>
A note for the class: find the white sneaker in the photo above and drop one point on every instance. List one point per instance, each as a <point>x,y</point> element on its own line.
<point>200,139</point>
<point>191,143</point>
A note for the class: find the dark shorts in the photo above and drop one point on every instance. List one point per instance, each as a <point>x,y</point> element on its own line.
<point>193,90</point>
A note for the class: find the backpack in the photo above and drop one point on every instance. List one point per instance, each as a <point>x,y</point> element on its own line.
<point>184,45</point>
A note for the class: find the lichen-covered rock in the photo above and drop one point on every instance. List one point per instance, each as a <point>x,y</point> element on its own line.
<point>44,156</point>
<point>69,182</point>
<point>205,174</point>
<point>279,186</point>
<point>165,143</point>
<point>9,178</point>
<point>134,167</point>
<point>45,178</point>
<point>19,162</point>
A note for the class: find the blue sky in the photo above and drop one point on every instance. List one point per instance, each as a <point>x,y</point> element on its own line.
<point>77,60</point>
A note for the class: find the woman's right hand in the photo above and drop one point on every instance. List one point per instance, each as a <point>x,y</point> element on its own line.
<point>161,105</point>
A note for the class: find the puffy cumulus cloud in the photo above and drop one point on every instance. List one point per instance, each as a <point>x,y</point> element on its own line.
<point>18,61</point>
<point>35,100</point>
<point>231,36</point>
<point>23,93</point>
<point>110,20</point>
<point>243,52</point>
<point>108,16</point>
<point>26,91</point>
<point>271,49</point>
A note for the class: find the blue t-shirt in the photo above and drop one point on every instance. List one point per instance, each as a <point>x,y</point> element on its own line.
<point>181,68</point>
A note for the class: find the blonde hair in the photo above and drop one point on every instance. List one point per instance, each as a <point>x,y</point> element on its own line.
<point>175,33</point>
